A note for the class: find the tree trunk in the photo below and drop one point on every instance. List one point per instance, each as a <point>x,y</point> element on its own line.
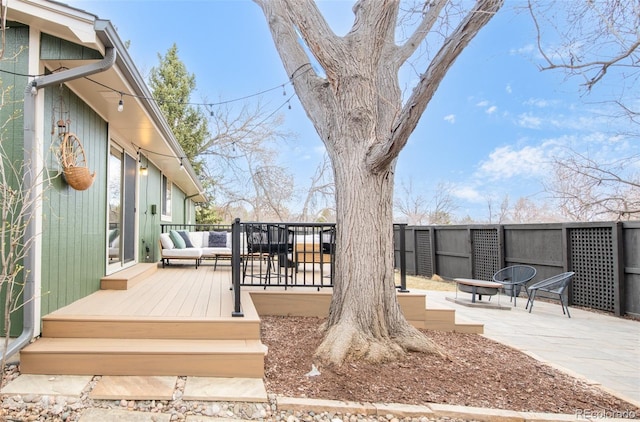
<point>365,320</point>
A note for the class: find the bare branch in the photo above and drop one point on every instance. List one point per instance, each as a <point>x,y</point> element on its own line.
<point>429,19</point>
<point>383,153</point>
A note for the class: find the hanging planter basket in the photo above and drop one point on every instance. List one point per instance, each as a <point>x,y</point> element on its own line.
<point>74,163</point>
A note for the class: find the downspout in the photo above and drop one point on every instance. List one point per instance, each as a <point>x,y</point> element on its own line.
<point>30,178</point>
<point>184,204</point>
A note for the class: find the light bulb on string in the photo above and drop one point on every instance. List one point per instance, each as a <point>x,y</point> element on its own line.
<point>120,104</point>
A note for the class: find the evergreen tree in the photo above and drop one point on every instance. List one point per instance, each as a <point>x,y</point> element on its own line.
<point>172,86</point>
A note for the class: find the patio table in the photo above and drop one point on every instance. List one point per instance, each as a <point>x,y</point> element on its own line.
<point>477,287</point>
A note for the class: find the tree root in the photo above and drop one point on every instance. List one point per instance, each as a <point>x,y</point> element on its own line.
<point>345,342</point>
<point>413,340</point>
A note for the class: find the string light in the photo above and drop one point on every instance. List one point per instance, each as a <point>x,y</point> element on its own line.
<point>160,101</point>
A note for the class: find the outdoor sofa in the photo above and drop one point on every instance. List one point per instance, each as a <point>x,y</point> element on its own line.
<point>199,245</point>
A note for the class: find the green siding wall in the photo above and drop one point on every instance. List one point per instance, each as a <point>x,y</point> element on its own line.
<point>74,226</point>
<point>52,48</point>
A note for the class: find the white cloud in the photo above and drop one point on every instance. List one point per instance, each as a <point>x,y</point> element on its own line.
<point>506,162</point>
<point>540,103</point>
<point>451,118</point>
<point>483,103</point>
<point>491,110</point>
<point>508,89</point>
<point>524,50</point>
<point>467,193</point>
<point>529,121</point>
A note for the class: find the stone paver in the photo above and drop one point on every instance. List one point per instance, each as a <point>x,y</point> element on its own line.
<point>50,385</point>
<point>225,389</point>
<point>134,388</point>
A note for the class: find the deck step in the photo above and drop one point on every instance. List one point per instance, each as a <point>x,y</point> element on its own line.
<point>129,277</point>
<point>151,357</point>
<point>445,319</point>
<point>73,326</point>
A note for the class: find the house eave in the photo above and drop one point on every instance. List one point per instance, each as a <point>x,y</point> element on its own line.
<point>142,124</point>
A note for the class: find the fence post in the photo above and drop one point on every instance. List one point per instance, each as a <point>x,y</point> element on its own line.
<point>235,267</point>
<point>403,259</point>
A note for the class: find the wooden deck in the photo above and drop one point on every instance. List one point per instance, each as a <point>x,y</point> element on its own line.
<point>177,321</point>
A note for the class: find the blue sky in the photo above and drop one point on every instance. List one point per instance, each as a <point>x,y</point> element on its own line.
<point>490,130</point>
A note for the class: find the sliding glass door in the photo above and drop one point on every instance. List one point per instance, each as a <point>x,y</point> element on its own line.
<point>121,201</point>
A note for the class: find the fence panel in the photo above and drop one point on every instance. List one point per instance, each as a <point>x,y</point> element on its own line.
<point>631,245</point>
<point>453,252</point>
<point>486,253</point>
<point>592,258</point>
<point>424,253</point>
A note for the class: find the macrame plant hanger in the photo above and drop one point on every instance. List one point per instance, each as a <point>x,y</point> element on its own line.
<point>73,157</point>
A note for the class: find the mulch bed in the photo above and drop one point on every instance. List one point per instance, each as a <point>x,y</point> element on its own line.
<point>480,373</point>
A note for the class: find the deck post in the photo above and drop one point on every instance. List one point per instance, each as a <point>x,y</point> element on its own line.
<point>403,259</point>
<point>235,267</point>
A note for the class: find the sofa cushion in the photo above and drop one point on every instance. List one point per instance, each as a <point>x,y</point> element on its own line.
<point>182,253</point>
<point>178,241</point>
<point>185,236</point>
<point>165,240</point>
<point>217,239</point>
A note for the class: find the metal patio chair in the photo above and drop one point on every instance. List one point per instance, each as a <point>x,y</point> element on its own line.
<point>557,284</point>
<point>269,243</point>
<point>513,279</point>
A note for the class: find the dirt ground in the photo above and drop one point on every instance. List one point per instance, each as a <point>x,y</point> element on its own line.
<point>480,373</point>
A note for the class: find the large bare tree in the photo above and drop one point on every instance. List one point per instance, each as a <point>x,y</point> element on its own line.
<point>355,103</point>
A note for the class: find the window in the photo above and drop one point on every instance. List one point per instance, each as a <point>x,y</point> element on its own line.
<point>166,196</point>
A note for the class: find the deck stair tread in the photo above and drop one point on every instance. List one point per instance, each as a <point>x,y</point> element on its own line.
<point>155,357</point>
<point>444,318</point>
<point>78,326</point>
<point>137,346</point>
<point>127,278</point>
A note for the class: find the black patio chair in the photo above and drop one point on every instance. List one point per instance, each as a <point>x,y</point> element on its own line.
<point>557,284</point>
<point>328,239</point>
<point>268,242</point>
<point>513,279</point>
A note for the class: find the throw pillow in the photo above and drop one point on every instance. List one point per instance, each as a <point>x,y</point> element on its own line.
<point>113,234</point>
<point>178,241</point>
<point>166,241</point>
<point>217,239</point>
<point>185,237</point>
